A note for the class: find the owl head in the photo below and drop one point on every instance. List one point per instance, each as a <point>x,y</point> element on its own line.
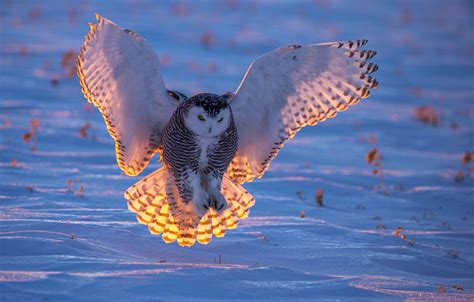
<point>209,115</point>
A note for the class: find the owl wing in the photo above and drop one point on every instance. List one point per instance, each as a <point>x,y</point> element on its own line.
<point>119,74</point>
<point>290,88</point>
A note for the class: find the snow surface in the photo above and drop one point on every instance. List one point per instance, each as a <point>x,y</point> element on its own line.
<point>56,245</point>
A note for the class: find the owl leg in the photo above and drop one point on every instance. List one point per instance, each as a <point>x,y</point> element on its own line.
<point>201,202</point>
<point>200,197</point>
<point>218,201</point>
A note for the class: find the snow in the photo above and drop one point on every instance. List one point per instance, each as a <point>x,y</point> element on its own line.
<point>84,245</point>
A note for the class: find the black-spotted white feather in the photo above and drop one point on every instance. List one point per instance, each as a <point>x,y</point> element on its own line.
<point>290,88</point>
<point>119,73</point>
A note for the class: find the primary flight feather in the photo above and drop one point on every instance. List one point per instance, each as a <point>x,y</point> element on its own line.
<point>210,144</point>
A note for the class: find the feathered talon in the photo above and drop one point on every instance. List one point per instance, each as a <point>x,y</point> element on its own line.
<point>218,201</point>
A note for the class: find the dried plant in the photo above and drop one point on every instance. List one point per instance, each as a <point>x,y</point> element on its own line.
<point>35,13</point>
<point>319,197</point>
<point>262,237</point>
<point>446,225</point>
<point>69,185</point>
<point>218,260</point>
<point>211,67</point>
<point>180,9</point>
<point>374,158</point>
<point>54,81</point>
<point>88,107</point>
<point>416,91</point>
<point>80,191</point>
<point>400,232</point>
<point>454,254</point>
<point>165,59</point>
<point>30,136</point>
<point>454,126</point>
<point>466,169</point>
<point>457,287</point>
<point>83,130</point>
<point>468,157</point>
<point>207,39</point>
<point>299,195</point>
<point>426,114</point>
<point>68,63</point>
<point>26,137</point>
<point>459,177</point>
<point>302,214</point>
<point>7,124</point>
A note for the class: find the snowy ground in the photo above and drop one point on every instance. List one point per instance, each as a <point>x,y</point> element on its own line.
<point>56,245</point>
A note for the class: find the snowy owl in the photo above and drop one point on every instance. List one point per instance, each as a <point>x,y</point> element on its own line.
<point>210,144</point>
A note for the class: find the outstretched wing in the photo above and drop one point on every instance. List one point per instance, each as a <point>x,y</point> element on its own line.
<point>119,73</point>
<point>292,87</point>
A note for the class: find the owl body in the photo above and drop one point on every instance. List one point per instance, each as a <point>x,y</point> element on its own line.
<point>211,144</point>
<point>198,144</point>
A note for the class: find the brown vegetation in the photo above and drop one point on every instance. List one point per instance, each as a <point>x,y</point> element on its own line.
<point>319,197</point>
<point>83,130</point>
<point>302,215</point>
<point>374,158</point>
<point>30,136</point>
<point>426,114</point>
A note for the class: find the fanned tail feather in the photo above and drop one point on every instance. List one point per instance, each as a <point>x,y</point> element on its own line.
<point>154,201</point>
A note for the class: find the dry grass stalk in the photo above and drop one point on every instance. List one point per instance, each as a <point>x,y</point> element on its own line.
<point>319,197</point>
<point>30,136</point>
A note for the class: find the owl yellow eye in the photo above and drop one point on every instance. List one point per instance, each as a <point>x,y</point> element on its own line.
<point>220,120</point>
<point>201,118</point>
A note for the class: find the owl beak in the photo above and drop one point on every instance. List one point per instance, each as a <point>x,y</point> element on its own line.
<point>210,129</point>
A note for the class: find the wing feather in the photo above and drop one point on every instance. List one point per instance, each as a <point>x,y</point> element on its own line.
<point>119,74</point>
<point>290,88</point>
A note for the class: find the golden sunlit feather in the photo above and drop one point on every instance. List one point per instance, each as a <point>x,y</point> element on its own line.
<point>150,201</point>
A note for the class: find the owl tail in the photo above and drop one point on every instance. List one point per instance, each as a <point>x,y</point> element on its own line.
<point>155,201</point>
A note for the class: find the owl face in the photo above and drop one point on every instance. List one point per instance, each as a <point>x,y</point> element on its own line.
<point>208,116</point>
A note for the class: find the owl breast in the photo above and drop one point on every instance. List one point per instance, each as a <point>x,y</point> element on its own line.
<point>188,156</point>
<point>206,146</point>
